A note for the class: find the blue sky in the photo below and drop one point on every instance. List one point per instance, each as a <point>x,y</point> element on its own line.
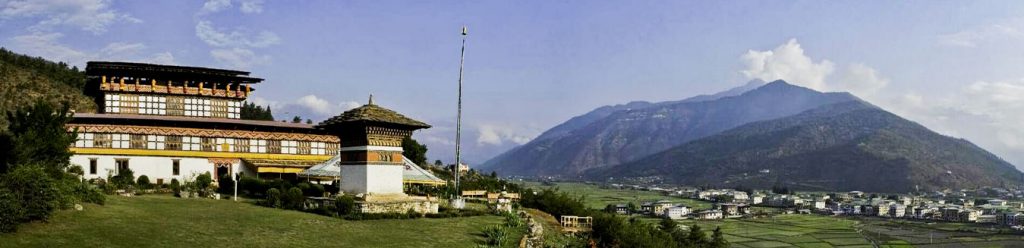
<point>954,66</point>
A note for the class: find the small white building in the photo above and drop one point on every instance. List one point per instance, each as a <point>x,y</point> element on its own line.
<point>713,214</point>
<point>676,212</point>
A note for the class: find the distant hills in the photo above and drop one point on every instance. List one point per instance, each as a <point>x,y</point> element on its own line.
<point>25,79</point>
<point>775,134</point>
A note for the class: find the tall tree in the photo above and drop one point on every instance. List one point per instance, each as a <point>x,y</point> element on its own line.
<point>414,151</point>
<point>717,239</point>
<point>38,136</point>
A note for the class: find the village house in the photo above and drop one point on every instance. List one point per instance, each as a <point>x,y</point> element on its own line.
<point>713,214</point>
<point>676,212</point>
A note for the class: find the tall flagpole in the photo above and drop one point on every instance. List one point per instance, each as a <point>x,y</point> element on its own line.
<point>458,126</point>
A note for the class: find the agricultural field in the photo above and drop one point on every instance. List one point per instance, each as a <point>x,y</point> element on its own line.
<point>597,197</point>
<point>787,231</point>
<point>165,221</point>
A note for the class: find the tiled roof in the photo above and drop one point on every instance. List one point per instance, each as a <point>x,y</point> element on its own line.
<point>372,113</point>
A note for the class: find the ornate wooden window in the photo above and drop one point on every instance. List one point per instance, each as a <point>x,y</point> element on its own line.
<point>173,142</point>
<point>176,105</point>
<point>138,141</point>
<point>273,146</point>
<point>156,142</point>
<point>242,145</point>
<point>112,103</point>
<point>332,148</point>
<point>121,164</point>
<point>225,145</point>
<point>195,106</point>
<point>102,140</point>
<point>209,144</point>
<point>305,147</point>
<point>120,140</point>
<point>152,105</point>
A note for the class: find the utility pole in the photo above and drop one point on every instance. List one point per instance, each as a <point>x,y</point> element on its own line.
<point>457,202</point>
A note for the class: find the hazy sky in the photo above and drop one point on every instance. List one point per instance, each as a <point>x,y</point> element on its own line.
<point>955,66</point>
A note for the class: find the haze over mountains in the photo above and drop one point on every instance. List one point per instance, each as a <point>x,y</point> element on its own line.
<point>799,136</point>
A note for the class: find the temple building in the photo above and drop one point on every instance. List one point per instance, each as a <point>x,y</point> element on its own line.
<point>176,122</point>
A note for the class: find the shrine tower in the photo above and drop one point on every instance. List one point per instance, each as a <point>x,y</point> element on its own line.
<point>371,148</point>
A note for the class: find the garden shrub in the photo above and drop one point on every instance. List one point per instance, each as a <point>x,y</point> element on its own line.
<point>496,235</point>
<point>294,199</point>
<point>345,204</point>
<point>175,186</point>
<point>124,179</point>
<point>203,182</point>
<point>11,212</point>
<point>226,185</point>
<point>513,220</point>
<point>273,198</point>
<point>143,182</point>
<point>34,188</point>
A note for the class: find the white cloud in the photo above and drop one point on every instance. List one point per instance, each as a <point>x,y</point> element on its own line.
<point>1010,30</point>
<point>323,107</point>
<point>787,62</point>
<point>236,38</point>
<point>213,6</point>
<point>251,6</point>
<point>239,58</point>
<point>89,15</point>
<point>496,135</point>
<point>858,79</point>
<point>47,45</point>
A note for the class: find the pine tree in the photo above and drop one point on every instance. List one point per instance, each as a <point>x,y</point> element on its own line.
<point>717,239</point>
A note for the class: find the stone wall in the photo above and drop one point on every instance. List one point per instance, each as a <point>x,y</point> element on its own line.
<point>376,207</point>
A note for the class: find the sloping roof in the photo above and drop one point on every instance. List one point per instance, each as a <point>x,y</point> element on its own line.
<point>280,163</point>
<point>372,113</point>
<point>412,173</point>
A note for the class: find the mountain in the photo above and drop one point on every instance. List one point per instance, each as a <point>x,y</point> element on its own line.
<point>614,135</point>
<point>25,79</point>
<point>845,146</point>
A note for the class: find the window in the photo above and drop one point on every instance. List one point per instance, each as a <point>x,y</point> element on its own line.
<point>102,140</point>
<point>273,146</point>
<point>120,140</point>
<point>209,144</point>
<point>190,143</point>
<point>92,166</point>
<point>258,146</point>
<point>332,148</point>
<point>173,143</point>
<point>289,146</point>
<point>304,147</point>
<point>318,148</point>
<point>197,107</point>
<point>175,105</point>
<point>84,140</point>
<point>241,145</point>
<point>175,167</point>
<point>152,105</point>
<point>138,141</point>
<point>122,165</point>
<point>112,103</point>
<point>225,145</point>
<point>155,142</point>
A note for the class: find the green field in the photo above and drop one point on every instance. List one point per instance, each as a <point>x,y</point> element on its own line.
<point>597,197</point>
<point>164,221</point>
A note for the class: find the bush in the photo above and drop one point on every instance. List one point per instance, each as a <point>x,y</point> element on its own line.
<point>124,179</point>
<point>273,198</point>
<point>345,204</point>
<point>312,189</point>
<point>252,186</point>
<point>76,170</point>
<point>143,182</point>
<point>203,182</point>
<point>34,188</point>
<point>513,220</point>
<point>176,186</point>
<point>11,211</point>
<point>294,199</point>
<point>226,185</point>
<point>496,235</point>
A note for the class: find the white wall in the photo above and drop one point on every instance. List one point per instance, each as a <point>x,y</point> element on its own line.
<point>153,167</point>
<point>375,179</point>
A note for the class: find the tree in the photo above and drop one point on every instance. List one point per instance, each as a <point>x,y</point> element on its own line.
<point>414,151</point>
<point>696,237</point>
<point>438,163</point>
<point>668,225</point>
<point>309,121</point>
<point>250,111</point>
<point>37,135</point>
<point>297,119</point>
<point>717,239</point>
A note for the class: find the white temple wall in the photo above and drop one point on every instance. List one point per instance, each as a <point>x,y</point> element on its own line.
<point>153,167</point>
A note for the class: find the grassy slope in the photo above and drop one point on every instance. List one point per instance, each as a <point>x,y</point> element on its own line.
<point>22,86</point>
<point>165,221</point>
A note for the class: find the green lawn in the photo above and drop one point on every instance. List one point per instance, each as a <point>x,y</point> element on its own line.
<point>597,197</point>
<point>165,221</point>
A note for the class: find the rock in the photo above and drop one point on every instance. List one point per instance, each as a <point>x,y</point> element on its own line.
<point>78,207</point>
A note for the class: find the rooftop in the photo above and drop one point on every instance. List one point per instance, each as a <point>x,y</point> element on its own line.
<point>371,113</point>
<point>98,68</point>
<point>121,118</point>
